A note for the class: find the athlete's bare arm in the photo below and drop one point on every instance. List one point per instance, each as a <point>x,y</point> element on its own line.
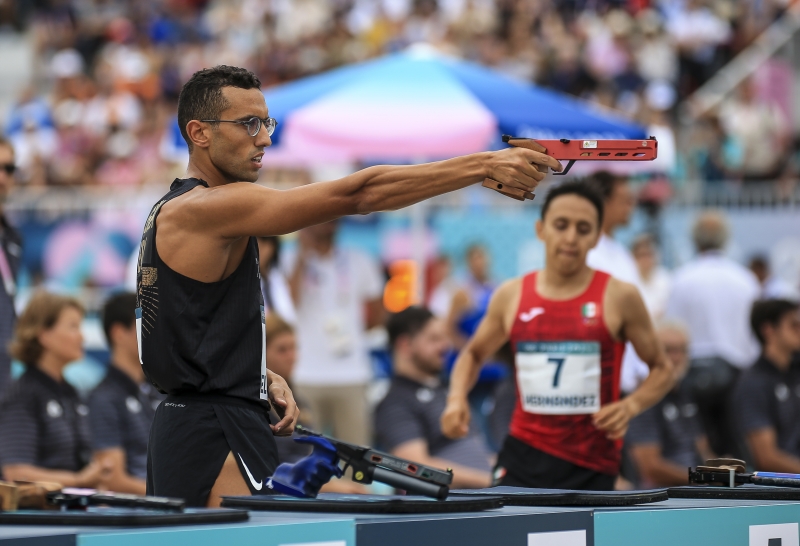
<point>283,402</point>
<point>629,319</point>
<point>201,233</point>
<point>492,333</point>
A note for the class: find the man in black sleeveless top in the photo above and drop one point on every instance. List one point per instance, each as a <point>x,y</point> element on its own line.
<point>200,312</point>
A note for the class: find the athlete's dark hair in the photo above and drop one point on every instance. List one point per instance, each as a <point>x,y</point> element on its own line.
<point>201,97</point>
<point>408,322</point>
<point>605,182</point>
<point>770,312</point>
<point>118,309</point>
<point>581,189</point>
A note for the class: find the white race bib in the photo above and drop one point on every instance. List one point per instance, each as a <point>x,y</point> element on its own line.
<point>139,332</point>
<point>559,377</point>
<point>262,392</point>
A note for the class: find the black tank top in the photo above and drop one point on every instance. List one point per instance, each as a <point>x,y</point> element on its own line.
<point>197,337</point>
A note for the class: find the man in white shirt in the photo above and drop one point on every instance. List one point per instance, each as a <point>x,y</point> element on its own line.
<point>614,258</point>
<point>338,296</point>
<point>713,296</point>
<point>655,279</point>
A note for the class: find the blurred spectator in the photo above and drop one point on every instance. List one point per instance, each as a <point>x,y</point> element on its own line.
<point>771,285</point>
<point>122,406</point>
<point>654,279</point>
<point>470,301</point>
<point>614,258</point>
<point>619,200</point>
<point>667,438</point>
<point>282,356</point>
<point>713,295</point>
<point>44,429</point>
<point>407,419</point>
<point>10,255</point>
<point>274,286</point>
<point>718,155</point>
<point>441,285</point>
<point>30,130</point>
<point>698,33</point>
<point>655,53</point>
<point>760,129</point>
<point>766,401</point>
<point>338,295</point>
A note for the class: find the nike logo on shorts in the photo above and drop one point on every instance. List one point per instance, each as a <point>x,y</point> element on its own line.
<point>256,485</point>
<point>532,314</point>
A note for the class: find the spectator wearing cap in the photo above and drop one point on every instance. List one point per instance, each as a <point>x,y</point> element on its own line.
<point>44,429</point>
<point>713,295</point>
<point>122,406</point>
<point>766,401</point>
<point>407,419</point>
<point>667,438</point>
<point>10,254</point>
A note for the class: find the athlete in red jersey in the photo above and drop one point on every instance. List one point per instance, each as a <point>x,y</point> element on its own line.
<point>568,325</point>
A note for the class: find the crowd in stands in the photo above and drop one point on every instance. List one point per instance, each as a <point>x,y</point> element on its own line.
<point>101,105</point>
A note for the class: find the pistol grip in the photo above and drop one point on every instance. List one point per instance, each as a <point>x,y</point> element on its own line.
<point>530,144</point>
<point>515,193</point>
<point>508,191</point>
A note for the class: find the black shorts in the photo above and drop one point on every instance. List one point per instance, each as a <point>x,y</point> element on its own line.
<point>192,435</point>
<point>521,465</point>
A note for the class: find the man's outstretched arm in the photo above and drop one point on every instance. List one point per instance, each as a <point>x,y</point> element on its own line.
<point>244,209</point>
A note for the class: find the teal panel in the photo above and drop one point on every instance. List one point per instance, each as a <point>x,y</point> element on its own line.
<point>688,527</point>
<point>328,532</point>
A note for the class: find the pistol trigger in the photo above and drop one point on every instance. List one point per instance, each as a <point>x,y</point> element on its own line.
<point>566,170</point>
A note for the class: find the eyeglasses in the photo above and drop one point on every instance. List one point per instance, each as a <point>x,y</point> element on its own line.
<point>10,168</point>
<point>253,125</point>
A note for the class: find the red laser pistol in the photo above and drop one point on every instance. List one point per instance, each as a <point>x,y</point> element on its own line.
<point>577,150</point>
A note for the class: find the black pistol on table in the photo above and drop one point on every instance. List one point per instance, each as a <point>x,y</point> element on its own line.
<point>301,479</point>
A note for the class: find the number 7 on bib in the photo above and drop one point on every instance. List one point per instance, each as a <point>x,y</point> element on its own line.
<point>559,378</point>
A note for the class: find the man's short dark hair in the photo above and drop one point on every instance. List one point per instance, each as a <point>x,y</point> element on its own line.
<point>408,322</point>
<point>581,189</point>
<point>119,309</point>
<point>605,182</point>
<point>202,98</point>
<point>770,312</point>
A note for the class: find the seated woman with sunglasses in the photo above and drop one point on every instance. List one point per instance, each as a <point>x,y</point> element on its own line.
<point>44,431</point>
